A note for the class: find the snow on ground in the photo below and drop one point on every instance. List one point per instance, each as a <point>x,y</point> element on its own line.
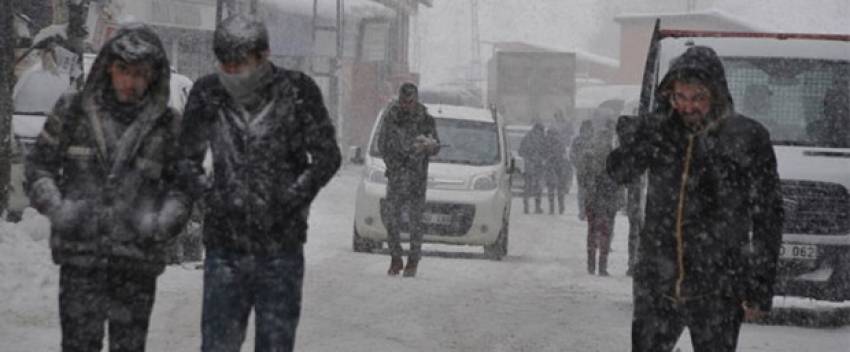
<point>539,298</point>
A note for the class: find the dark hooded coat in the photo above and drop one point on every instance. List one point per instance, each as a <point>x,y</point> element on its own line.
<point>708,189</point>
<point>266,170</point>
<point>116,162</point>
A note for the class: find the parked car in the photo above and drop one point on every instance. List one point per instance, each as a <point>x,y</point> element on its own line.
<point>787,82</point>
<point>468,199</point>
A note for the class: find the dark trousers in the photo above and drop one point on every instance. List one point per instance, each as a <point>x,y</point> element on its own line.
<point>713,321</point>
<point>92,296</point>
<point>600,225</point>
<point>557,186</point>
<point>235,283</point>
<point>533,189</point>
<point>404,208</point>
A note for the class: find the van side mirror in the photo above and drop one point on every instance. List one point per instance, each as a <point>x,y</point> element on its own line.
<point>512,165</point>
<point>355,155</point>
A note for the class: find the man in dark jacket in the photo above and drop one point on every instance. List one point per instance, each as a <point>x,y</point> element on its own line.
<point>104,172</point>
<point>708,251</point>
<point>408,138</point>
<point>532,149</point>
<point>273,148</point>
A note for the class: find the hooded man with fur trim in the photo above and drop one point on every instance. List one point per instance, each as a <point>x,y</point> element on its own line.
<point>103,170</point>
<point>713,225</point>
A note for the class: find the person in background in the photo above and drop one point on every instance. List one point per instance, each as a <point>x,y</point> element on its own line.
<point>273,149</point>
<point>408,138</point>
<point>532,150</point>
<point>556,169</point>
<point>580,145</point>
<point>601,194</point>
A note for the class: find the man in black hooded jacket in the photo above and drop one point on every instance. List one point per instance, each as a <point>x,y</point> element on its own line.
<point>104,172</point>
<point>709,247</point>
<point>273,148</point>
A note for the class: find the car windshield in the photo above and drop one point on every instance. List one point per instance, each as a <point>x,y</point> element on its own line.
<point>462,142</point>
<point>798,89</point>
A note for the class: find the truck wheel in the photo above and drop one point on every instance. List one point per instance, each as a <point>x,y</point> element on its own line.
<point>364,245</point>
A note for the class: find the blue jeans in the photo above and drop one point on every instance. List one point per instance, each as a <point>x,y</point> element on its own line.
<point>235,283</point>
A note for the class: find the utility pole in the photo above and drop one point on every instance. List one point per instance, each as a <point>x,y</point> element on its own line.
<point>77,32</point>
<point>7,70</point>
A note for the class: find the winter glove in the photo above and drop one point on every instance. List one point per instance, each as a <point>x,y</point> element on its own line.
<point>44,195</point>
<point>628,128</point>
<point>164,224</point>
<point>425,144</point>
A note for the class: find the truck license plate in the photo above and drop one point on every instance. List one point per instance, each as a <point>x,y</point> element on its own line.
<point>798,251</point>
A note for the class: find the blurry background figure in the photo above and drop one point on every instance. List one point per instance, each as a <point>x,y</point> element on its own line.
<point>558,173</point>
<point>601,194</point>
<point>532,149</point>
<point>836,113</point>
<point>579,146</point>
<point>756,102</point>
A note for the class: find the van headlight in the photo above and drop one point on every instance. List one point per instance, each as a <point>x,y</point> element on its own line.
<point>484,182</point>
<point>377,176</point>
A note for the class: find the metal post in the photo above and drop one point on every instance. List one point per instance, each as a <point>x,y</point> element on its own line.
<point>7,69</point>
<point>77,33</point>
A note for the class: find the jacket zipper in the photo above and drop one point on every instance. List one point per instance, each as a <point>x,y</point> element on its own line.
<point>680,214</point>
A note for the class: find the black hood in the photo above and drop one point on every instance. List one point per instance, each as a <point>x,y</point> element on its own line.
<point>131,43</point>
<point>703,64</point>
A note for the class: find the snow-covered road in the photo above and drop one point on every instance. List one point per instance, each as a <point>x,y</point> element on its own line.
<point>539,298</point>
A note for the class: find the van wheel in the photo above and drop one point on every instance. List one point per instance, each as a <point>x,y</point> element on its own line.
<point>364,245</point>
<point>499,249</point>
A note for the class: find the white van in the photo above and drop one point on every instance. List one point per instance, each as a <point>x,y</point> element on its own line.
<point>788,82</point>
<point>468,199</point>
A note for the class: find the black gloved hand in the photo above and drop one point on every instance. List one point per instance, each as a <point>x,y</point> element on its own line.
<point>628,129</point>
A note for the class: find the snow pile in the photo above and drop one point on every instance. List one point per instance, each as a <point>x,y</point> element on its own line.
<point>30,279</point>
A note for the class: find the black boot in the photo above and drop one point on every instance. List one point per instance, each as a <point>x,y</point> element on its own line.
<point>591,262</point>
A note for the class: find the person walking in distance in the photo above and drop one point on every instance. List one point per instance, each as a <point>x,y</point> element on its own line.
<point>532,150</point>
<point>407,139</point>
<point>579,146</point>
<point>601,196</point>
<point>556,169</point>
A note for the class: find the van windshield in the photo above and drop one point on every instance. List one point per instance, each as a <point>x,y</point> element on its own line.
<point>462,142</point>
<point>800,101</point>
